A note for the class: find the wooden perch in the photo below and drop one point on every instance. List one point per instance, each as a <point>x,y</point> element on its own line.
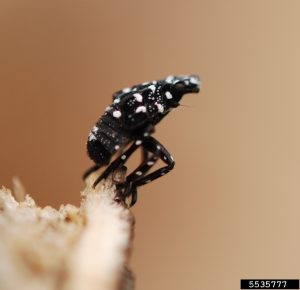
<point>73,248</point>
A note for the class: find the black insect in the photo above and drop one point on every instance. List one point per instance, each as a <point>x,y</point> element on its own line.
<point>131,119</point>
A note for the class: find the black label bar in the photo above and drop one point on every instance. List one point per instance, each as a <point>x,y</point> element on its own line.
<point>269,284</point>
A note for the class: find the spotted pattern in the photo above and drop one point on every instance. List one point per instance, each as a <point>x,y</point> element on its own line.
<point>139,106</point>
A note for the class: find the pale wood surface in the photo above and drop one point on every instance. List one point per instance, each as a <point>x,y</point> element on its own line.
<point>72,248</point>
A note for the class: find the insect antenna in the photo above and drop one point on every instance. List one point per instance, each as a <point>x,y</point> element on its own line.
<point>187,106</point>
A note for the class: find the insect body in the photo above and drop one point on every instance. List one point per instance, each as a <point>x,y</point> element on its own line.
<point>131,119</point>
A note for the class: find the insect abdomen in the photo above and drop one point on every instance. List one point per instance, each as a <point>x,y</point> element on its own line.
<point>105,139</point>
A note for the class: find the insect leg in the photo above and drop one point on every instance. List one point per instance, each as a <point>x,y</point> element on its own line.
<point>116,163</point>
<point>143,168</point>
<point>147,162</point>
<point>140,179</point>
<point>157,148</point>
<point>129,188</point>
<point>145,154</point>
<point>133,197</point>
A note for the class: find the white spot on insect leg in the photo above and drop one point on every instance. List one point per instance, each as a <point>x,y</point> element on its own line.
<point>165,158</point>
<point>149,163</point>
<point>141,109</point>
<point>117,114</point>
<point>117,147</point>
<point>147,181</point>
<point>116,101</point>
<point>146,134</point>
<point>163,173</point>
<point>123,157</point>
<point>138,97</point>
<point>172,158</point>
<point>168,95</point>
<point>139,173</point>
<point>107,109</point>
<point>138,142</point>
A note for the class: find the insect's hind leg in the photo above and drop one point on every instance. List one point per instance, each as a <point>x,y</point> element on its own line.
<point>117,163</point>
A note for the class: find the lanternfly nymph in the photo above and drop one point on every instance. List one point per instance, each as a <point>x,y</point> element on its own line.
<point>130,120</point>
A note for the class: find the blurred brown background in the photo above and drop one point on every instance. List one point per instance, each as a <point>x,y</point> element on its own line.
<point>230,209</point>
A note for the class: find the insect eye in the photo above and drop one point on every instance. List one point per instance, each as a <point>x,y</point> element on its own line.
<point>179,87</point>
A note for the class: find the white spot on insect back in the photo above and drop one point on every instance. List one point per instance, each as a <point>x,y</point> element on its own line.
<point>117,147</point>
<point>168,95</point>
<point>126,90</point>
<point>195,81</point>
<point>117,114</point>
<point>138,97</point>
<point>95,129</point>
<point>152,88</point>
<point>160,107</point>
<point>92,137</point>
<point>116,101</point>
<point>141,109</point>
<point>169,79</point>
<point>158,147</point>
<point>138,142</point>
